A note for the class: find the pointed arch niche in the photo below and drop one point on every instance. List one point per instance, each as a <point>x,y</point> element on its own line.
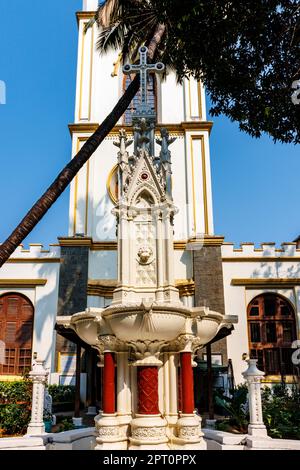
<point>152,96</point>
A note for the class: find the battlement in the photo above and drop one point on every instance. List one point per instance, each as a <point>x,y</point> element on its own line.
<point>36,252</point>
<point>266,250</point>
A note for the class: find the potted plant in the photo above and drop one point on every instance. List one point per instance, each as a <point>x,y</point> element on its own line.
<point>48,418</point>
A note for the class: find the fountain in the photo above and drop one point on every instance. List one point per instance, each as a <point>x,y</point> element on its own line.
<point>147,333</point>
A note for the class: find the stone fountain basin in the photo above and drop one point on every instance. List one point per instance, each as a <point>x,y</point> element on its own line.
<point>133,323</point>
<point>89,325</point>
<point>207,325</point>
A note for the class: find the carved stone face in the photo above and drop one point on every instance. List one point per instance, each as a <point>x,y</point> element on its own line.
<point>144,254</point>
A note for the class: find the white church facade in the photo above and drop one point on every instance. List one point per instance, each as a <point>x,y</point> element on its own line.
<point>259,286</point>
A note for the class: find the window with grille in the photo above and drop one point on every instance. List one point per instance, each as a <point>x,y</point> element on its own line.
<point>16,329</point>
<point>271,331</point>
<point>151,96</point>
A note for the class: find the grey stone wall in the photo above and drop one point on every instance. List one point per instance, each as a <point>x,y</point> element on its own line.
<point>73,280</point>
<point>209,290</point>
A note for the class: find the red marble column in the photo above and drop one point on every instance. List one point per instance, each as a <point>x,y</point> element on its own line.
<point>187,383</point>
<point>109,405</point>
<point>147,381</point>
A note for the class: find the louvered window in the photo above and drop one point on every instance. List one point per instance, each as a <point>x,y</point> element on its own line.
<point>16,327</point>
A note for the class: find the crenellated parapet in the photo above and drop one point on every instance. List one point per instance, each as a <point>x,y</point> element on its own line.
<point>36,254</point>
<point>265,251</point>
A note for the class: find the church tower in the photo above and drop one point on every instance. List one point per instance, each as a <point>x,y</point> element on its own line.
<point>180,109</point>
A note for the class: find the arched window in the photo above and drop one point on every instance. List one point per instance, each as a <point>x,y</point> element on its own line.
<point>151,96</point>
<point>16,329</point>
<point>271,330</point>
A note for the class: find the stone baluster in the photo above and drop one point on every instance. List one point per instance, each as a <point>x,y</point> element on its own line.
<point>253,377</point>
<point>39,377</point>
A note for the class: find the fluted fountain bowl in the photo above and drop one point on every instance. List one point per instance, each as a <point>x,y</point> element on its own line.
<point>153,323</point>
<point>207,324</point>
<point>89,325</point>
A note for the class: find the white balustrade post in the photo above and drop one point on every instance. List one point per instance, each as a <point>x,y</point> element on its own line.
<point>253,377</point>
<point>39,377</point>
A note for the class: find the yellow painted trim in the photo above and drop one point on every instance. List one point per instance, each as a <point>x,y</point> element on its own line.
<point>91,74</point>
<point>87,196</point>
<point>190,98</point>
<point>289,379</point>
<point>28,283</point>
<point>59,356</point>
<point>81,71</point>
<point>266,283</point>
<point>116,65</point>
<point>262,259</point>
<point>180,245</point>
<point>11,378</point>
<point>75,241</point>
<point>199,99</point>
<point>32,260</point>
<point>108,183</point>
<point>208,240</point>
<point>79,140</point>
<point>193,187</point>
<point>186,287</point>
<point>84,15</point>
<point>204,182</point>
<point>104,246</point>
<point>105,287</point>
<point>113,246</point>
<point>85,127</point>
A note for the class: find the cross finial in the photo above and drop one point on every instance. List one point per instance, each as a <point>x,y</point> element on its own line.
<point>143,110</point>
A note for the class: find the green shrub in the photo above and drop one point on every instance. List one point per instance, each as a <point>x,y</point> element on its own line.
<point>281,412</point>
<point>62,393</point>
<point>14,418</point>
<point>15,392</point>
<point>236,408</point>
<point>65,425</point>
<point>15,406</point>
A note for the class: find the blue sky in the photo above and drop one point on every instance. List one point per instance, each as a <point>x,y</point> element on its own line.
<point>255,183</point>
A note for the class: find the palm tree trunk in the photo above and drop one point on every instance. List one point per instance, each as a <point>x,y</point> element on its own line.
<point>65,177</point>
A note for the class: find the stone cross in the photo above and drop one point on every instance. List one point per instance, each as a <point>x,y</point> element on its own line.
<point>143,69</point>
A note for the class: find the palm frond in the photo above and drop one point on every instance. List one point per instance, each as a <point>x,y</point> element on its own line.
<point>111,37</point>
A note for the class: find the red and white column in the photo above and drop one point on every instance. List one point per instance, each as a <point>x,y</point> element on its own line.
<point>109,398</point>
<point>107,422</point>
<point>188,425</point>
<point>147,379</point>
<point>187,383</point>
<point>149,428</point>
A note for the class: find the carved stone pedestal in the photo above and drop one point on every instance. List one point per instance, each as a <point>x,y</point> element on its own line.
<point>149,432</point>
<point>110,434</point>
<point>189,435</point>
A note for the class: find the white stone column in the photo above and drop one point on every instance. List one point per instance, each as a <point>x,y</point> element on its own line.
<point>253,378</point>
<point>123,411</point>
<point>159,264</point>
<point>39,377</point>
<point>123,385</point>
<point>173,384</point>
<point>166,384</point>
